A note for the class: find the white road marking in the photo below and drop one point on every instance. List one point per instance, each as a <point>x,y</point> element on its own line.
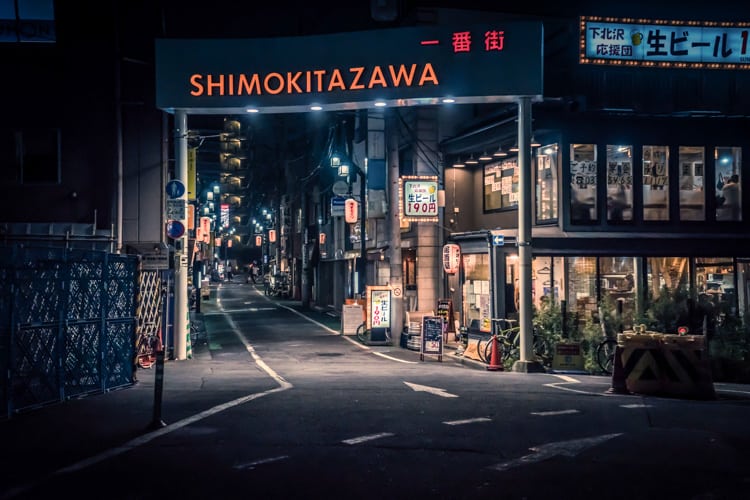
<point>554,413</point>
<point>370,437</point>
<point>468,421</point>
<point>148,437</point>
<point>568,379</point>
<point>636,405</point>
<point>432,390</point>
<point>565,448</point>
<point>251,465</point>
<point>336,332</point>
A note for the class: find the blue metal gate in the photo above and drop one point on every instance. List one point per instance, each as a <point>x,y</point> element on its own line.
<point>67,324</point>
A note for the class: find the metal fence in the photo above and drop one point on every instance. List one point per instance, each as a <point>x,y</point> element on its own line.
<point>67,324</point>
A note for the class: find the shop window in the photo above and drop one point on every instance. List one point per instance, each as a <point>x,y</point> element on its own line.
<point>583,170</point>
<point>30,156</point>
<point>619,289</point>
<point>476,291</point>
<point>546,183</point>
<point>581,287</point>
<point>501,185</point>
<point>692,196</point>
<point>619,183</point>
<point>27,21</point>
<point>670,273</point>
<point>656,183</point>
<point>728,181</point>
<point>715,281</point>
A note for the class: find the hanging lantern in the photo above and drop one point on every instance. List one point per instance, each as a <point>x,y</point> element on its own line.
<point>272,235</point>
<point>350,210</point>
<point>322,238</point>
<point>258,240</point>
<point>451,258</point>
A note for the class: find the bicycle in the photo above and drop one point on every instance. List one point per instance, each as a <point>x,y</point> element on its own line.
<point>605,354</point>
<point>509,340</point>
<point>365,336</point>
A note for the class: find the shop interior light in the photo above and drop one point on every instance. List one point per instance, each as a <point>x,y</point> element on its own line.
<point>485,157</point>
<point>514,148</point>
<point>534,142</point>
<point>472,161</point>
<point>458,163</point>
<point>500,152</point>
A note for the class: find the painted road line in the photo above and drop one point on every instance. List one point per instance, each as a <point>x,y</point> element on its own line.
<point>565,380</point>
<point>636,405</point>
<point>352,341</point>
<point>369,437</point>
<point>468,421</point>
<point>564,448</point>
<point>150,436</point>
<point>554,413</point>
<point>263,461</point>
<point>432,390</point>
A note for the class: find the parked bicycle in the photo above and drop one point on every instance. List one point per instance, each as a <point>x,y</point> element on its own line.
<point>605,354</point>
<point>509,340</point>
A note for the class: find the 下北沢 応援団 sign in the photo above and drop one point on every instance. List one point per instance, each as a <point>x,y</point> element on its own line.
<point>491,62</point>
<point>682,44</point>
<point>419,198</point>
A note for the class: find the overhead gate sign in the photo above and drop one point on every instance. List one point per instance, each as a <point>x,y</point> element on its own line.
<point>492,62</point>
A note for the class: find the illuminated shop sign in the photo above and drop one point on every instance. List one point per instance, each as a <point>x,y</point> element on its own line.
<point>676,44</point>
<point>419,198</point>
<point>402,66</point>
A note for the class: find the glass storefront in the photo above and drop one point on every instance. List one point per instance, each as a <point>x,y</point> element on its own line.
<point>619,183</point>
<point>476,291</point>
<point>583,183</point>
<point>656,183</point>
<point>692,196</point>
<point>546,183</point>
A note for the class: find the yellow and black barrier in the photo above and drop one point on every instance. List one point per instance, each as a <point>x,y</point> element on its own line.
<point>663,364</point>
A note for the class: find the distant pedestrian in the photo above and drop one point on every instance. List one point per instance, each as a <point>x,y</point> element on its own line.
<point>251,273</point>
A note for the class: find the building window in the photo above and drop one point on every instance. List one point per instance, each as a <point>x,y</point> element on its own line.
<point>30,156</point>
<point>656,183</point>
<point>619,183</point>
<point>501,185</point>
<point>546,183</point>
<point>27,21</point>
<point>582,183</point>
<point>728,181</point>
<point>692,197</point>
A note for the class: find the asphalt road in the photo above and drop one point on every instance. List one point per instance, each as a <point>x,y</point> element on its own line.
<point>308,413</point>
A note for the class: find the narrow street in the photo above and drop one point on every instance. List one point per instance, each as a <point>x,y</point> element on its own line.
<point>291,409</point>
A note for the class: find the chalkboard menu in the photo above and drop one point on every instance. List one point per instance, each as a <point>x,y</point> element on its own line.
<point>432,337</point>
<point>445,311</point>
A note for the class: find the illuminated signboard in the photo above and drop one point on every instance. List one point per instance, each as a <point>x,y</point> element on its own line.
<point>419,198</point>
<point>493,62</point>
<point>224,215</point>
<point>666,44</point>
<point>379,310</point>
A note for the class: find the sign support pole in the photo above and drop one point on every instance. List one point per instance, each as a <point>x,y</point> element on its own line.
<point>394,227</point>
<point>525,363</point>
<point>181,324</point>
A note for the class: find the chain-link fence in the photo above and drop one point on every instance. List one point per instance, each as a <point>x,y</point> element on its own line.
<point>67,324</point>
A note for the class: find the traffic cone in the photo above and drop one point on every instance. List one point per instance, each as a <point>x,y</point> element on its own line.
<point>495,361</point>
<point>618,375</point>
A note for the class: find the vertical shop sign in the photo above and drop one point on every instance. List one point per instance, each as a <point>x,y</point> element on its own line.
<point>451,258</point>
<point>379,310</point>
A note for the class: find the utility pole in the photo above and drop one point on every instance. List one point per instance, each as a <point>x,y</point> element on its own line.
<point>394,225</point>
<point>181,325</point>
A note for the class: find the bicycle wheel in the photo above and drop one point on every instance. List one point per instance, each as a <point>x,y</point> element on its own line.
<point>362,333</point>
<point>605,355</point>
<point>486,352</point>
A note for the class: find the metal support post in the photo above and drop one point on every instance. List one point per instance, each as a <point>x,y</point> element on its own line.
<point>181,312</point>
<point>525,363</point>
